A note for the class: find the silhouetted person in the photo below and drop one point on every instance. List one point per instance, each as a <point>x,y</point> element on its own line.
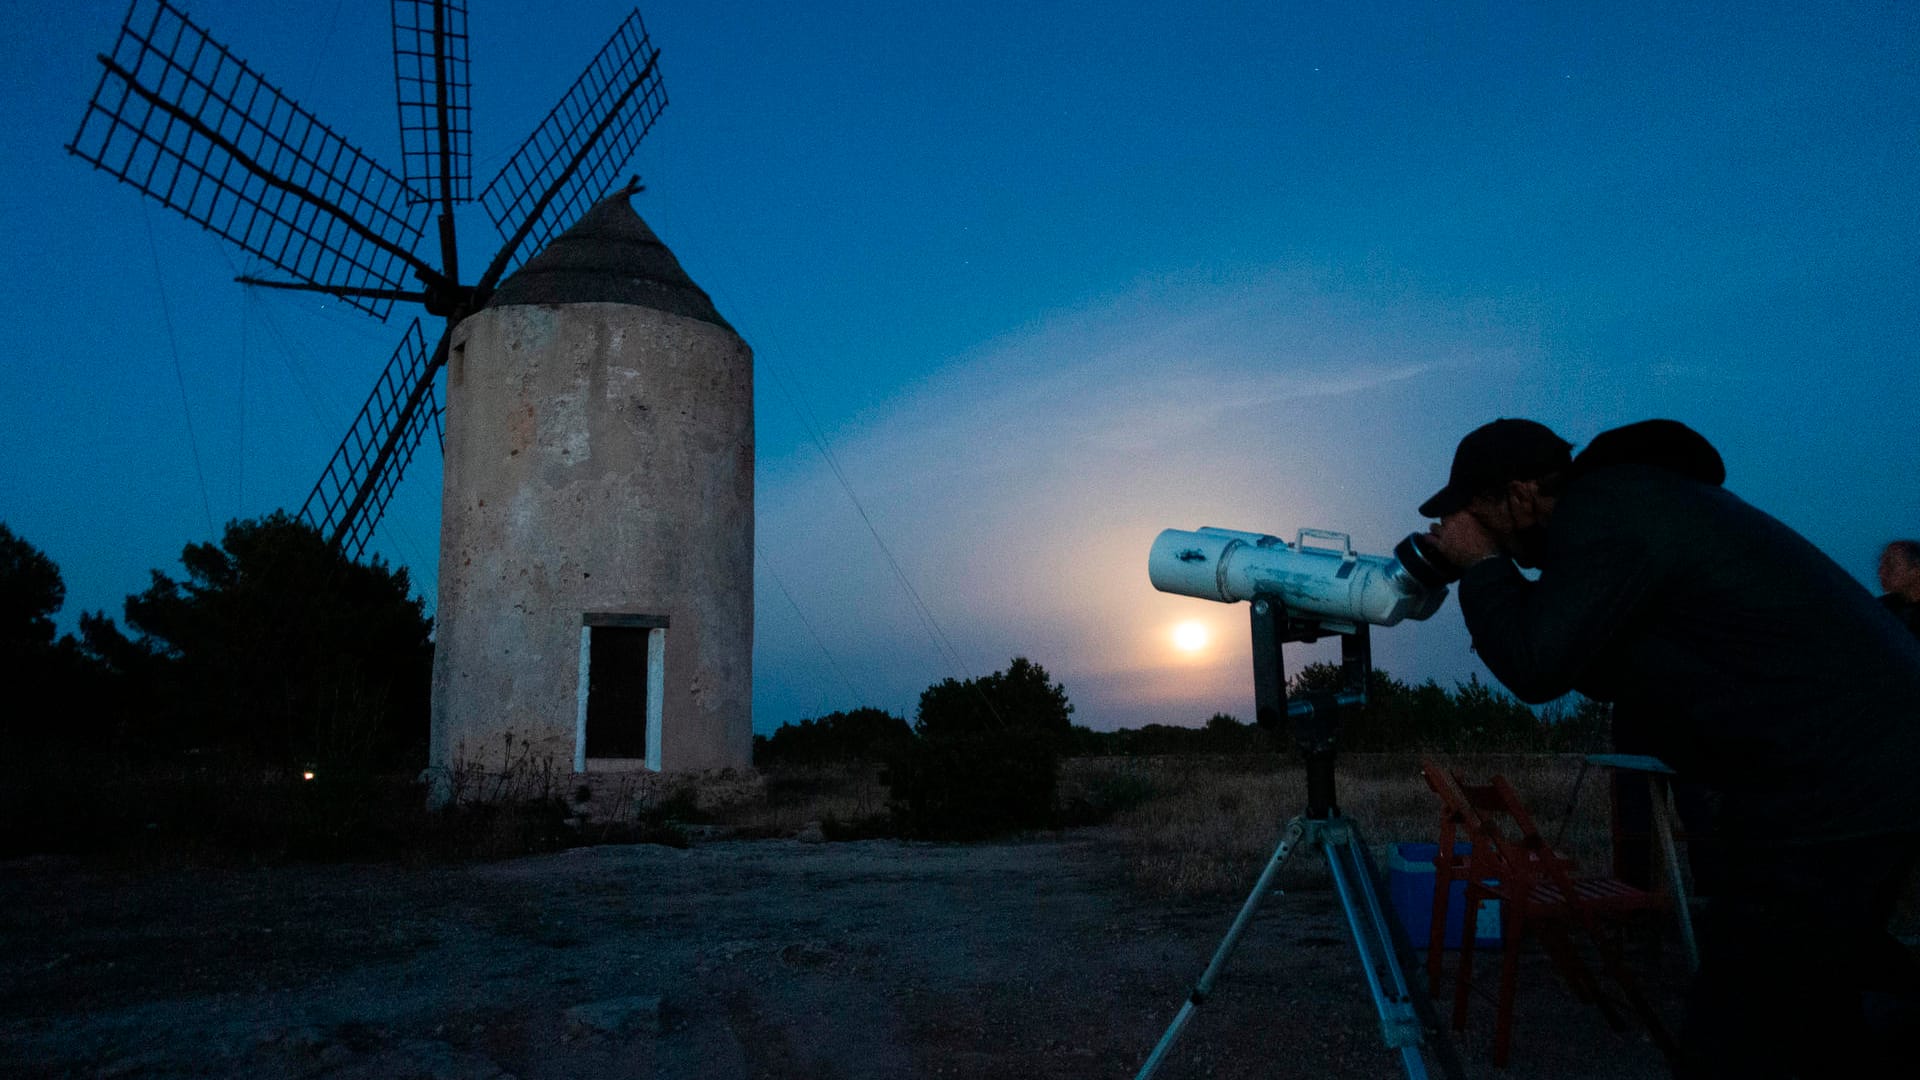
<point>1759,667</point>
<point>1900,577</point>
<point>1640,727</point>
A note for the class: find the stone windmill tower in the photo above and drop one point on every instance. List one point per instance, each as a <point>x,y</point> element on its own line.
<point>596,558</point>
<point>596,562</point>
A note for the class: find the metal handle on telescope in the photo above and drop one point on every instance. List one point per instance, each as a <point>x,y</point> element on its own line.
<point>1346,542</point>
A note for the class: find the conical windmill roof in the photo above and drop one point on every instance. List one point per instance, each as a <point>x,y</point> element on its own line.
<point>611,257</point>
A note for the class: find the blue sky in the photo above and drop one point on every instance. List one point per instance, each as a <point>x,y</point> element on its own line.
<point>1050,277</point>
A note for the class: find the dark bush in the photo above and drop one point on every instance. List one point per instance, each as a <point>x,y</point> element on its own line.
<point>1222,734</point>
<point>1104,795</point>
<point>275,646</point>
<point>59,700</point>
<point>864,734</point>
<point>1018,698</point>
<point>225,811</point>
<point>987,757</point>
<point>974,785</point>
<point>213,808</point>
<point>1474,716</point>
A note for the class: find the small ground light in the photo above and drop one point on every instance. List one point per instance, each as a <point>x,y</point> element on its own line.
<point>307,775</point>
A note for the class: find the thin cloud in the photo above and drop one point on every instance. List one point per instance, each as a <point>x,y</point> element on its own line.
<point>1022,486</point>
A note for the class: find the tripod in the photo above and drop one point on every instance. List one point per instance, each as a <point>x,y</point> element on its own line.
<point>1407,1021</point>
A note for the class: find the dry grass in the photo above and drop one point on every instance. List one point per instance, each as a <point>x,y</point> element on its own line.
<point>1203,825</point>
<point>846,798</point>
<point>1211,822</point>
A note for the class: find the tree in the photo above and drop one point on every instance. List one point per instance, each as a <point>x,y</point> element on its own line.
<point>1019,698</point>
<point>1224,724</point>
<point>1578,725</point>
<point>1391,718</point>
<point>864,734</point>
<point>1227,734</point>
<point>1491,719</point>
<point>1472,716</point>
<point>276,646</point>
<point>1439,719</point>
<point>30,593</point>
<point>52,686</point>
<point>987,759</point>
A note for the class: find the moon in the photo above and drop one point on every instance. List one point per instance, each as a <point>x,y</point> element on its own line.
<point>1191,637</point>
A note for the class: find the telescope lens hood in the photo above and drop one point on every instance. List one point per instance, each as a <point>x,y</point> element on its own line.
<point>1425,565</point>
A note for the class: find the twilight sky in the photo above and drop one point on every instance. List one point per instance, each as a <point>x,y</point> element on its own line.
<point>1049,277</point>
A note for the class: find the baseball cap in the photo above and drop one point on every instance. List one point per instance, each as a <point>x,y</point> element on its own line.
<point>1493,454</point>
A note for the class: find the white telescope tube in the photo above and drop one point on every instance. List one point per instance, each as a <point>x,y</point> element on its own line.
<point>1327,582</point>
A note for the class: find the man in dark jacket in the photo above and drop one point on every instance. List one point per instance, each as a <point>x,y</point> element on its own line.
<point>1778,682</point>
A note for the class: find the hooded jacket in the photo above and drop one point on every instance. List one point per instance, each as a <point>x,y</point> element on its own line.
<point>1782,681</point>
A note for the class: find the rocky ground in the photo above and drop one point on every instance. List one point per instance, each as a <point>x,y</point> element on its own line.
<point>729,959</point>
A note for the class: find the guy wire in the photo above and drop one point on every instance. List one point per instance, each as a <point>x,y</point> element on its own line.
<point>179,377</point>
<point>936,632</point>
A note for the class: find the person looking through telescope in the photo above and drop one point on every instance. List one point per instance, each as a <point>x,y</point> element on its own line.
<point>1768,674</point>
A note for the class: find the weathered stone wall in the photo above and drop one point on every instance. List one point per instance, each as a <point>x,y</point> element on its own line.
<point>599,458</point>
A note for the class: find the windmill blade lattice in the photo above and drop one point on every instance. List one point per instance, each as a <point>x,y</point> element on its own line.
<point>182,119</point>
<point>571,158</point>
<point>353,492</point>
<point>432,85</point>
<point>179,117</point>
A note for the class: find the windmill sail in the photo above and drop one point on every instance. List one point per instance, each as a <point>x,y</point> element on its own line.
<point>179,117</point>
<point>431,84</point>
<point>570,160</point>
<point>182,119</point>
<point>359,481</point>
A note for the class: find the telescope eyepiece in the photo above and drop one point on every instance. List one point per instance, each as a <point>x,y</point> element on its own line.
<point>1425,565</point>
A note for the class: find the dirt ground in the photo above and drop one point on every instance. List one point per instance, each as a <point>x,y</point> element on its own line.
<point>730,959</point>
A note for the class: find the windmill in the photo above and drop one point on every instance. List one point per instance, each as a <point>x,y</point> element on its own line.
<point>599,423</point>
<point>181,118</point>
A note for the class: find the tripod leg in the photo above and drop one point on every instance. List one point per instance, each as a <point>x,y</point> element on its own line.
<point>1408,1020</point>
<point>1296,832</point>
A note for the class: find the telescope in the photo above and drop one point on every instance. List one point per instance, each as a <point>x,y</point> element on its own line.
<point>1296,592</point>
<point>1324,581</point>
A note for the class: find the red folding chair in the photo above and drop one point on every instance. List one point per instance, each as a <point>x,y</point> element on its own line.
<point>1541,894</point>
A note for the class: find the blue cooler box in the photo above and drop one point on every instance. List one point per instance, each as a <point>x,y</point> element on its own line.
<point>1410,877</point>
